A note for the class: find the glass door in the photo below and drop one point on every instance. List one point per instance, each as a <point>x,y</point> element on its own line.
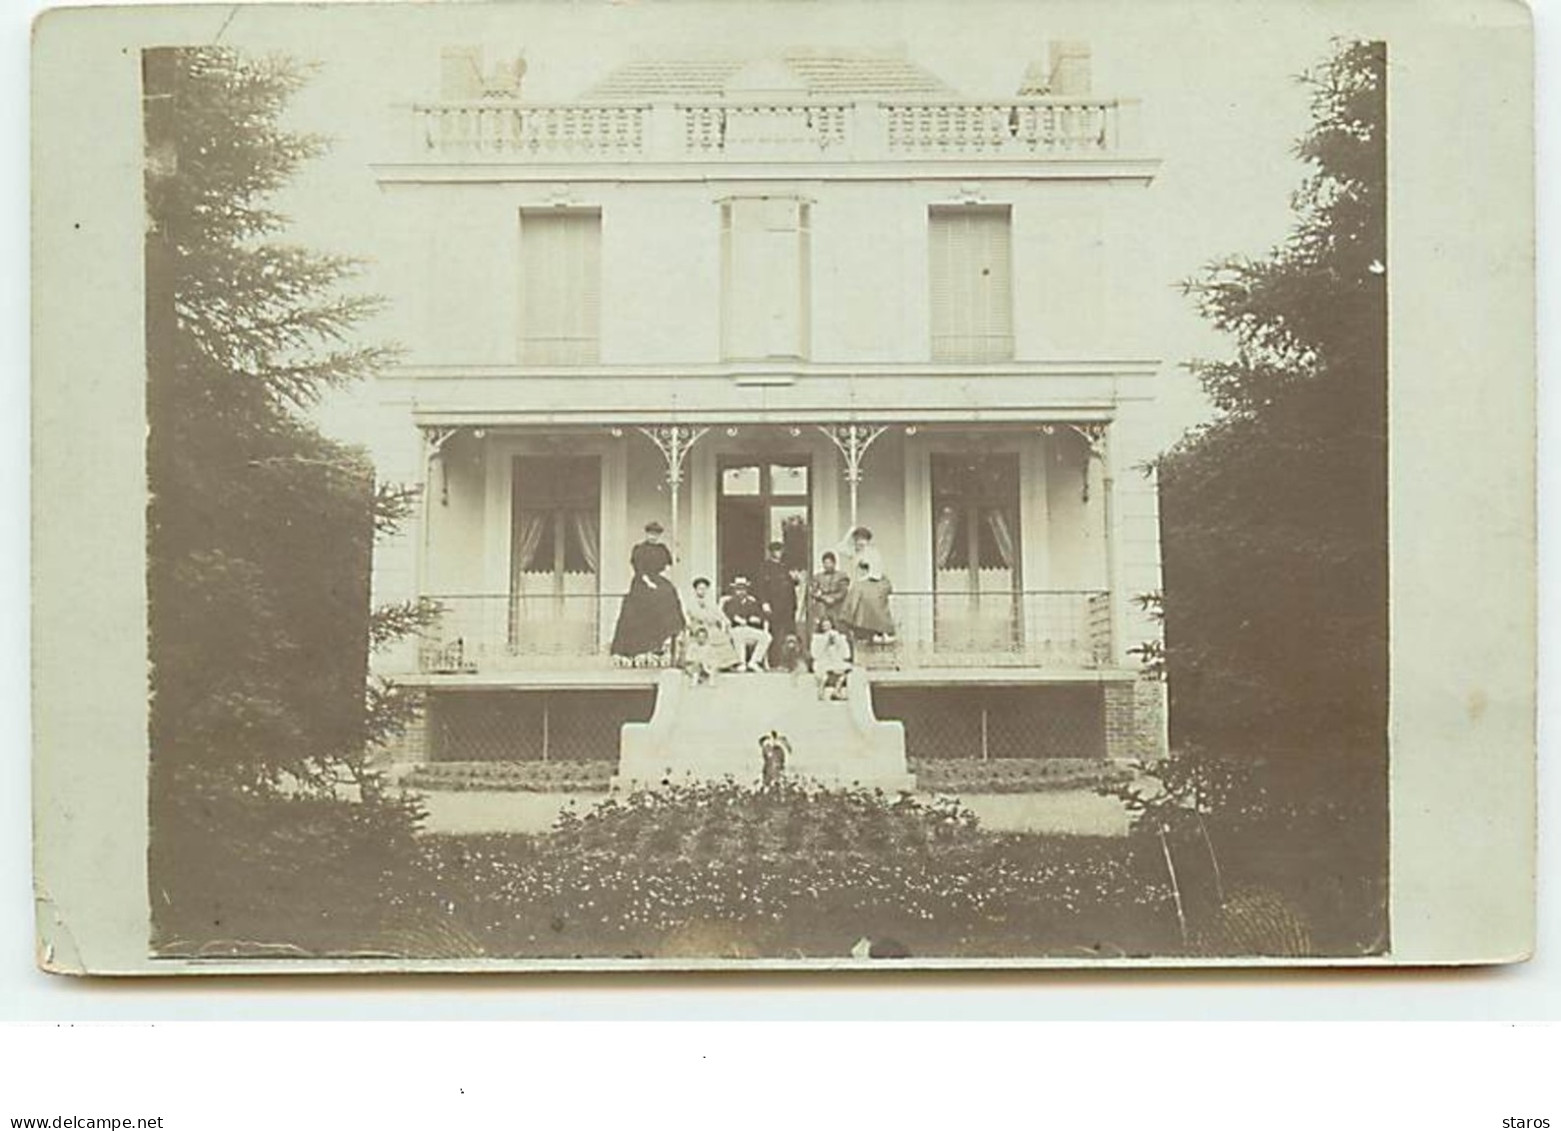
<point>555,545</point>
<point>763,500</point>
<point>975,549</point>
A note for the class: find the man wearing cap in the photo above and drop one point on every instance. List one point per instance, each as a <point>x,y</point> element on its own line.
<point>750,625</point>
<point>776,590</point>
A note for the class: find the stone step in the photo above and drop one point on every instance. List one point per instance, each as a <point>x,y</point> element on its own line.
<point>711,732</point>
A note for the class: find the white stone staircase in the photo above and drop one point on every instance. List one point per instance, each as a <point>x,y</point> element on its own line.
<point>712,732</point>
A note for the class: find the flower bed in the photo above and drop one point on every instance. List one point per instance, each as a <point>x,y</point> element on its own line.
<point>528,777</point>
<point>950,775</point>
<point>1014,775</point>
<point>792,872</point>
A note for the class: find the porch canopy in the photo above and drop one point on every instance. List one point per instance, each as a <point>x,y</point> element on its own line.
<point>997,531</point>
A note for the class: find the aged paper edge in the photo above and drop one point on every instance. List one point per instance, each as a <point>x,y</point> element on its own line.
<point>1463,805</point>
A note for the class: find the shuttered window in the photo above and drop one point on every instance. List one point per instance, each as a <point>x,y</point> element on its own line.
<point>764,277</point>
<point>972,284</point>
<point>560,286</point>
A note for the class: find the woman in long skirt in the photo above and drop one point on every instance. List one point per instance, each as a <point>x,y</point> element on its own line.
<point>865,611</point>
<point>652,614</point>
<point>704,611</point>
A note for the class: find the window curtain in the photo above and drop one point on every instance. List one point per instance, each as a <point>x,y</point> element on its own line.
<point>529,527</point>
<point>943,537</point>
<point>1002,535</point>
<point>587,528</point>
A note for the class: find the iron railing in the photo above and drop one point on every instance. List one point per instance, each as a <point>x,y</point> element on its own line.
<point>933,629</point>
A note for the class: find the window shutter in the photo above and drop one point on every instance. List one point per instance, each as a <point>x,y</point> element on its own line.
<point>972,284</point>
<point>560,287</point>
<point>764,287</point>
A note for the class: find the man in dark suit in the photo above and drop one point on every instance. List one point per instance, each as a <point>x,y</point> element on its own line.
<point>777,592</point>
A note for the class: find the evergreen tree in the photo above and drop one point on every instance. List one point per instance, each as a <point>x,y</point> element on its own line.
<point>1274,516</point>
<point>259,528</point>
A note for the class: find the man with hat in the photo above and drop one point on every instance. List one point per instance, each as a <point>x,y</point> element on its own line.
<point>776,590</point>
<point>750,625</point>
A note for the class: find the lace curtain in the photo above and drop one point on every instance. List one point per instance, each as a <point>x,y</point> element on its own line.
<point>1002,535</point>
<point>529,528</point>
<point>943,537</point>
<point>588,535</point>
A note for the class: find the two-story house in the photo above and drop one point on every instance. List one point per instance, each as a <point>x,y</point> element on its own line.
<point>774,299</point>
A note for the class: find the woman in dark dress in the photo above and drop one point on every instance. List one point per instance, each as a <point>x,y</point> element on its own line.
<point>652,614</point>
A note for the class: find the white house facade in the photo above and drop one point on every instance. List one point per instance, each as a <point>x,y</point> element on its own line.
<point>774,299</point>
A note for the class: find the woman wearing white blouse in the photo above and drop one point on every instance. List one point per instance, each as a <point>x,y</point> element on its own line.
<point>865,611</point>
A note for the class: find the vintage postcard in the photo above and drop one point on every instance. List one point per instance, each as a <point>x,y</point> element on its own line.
<point>758,484</point>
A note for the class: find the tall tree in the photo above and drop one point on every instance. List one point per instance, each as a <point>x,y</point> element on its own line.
<point>259,527</point>
<point>1275,514</point>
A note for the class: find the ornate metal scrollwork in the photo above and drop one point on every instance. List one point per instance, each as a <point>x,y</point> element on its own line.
<point>434,440</point>
<point>673,441</point>
<point>1093,433</point>
<point>852,441</point>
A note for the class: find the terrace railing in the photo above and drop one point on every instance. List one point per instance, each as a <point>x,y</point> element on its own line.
<point>942,629</point>
<point>800,129</point>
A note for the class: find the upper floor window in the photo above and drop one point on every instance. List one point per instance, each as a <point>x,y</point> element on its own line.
<point>560,286</point>
<point>972,283</point>
<point>764,277</point>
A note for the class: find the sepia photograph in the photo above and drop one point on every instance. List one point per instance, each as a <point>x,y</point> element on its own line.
<point>766,484</point>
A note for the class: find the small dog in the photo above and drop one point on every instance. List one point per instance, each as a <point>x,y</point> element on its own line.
<point>774,749</point>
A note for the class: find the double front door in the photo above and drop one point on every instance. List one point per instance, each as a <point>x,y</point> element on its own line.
<point>761,500</point>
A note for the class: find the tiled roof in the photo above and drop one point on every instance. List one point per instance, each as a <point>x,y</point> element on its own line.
<point>821,75</point>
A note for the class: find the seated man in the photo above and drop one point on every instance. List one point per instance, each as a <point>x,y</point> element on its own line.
<point>831,660</point>
<point>749,625</point>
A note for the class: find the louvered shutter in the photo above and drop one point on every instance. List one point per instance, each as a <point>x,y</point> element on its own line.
<point>560,287</point>
<point>972,284</point>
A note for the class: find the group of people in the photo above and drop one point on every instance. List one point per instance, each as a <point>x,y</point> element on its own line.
<point>756,626</point>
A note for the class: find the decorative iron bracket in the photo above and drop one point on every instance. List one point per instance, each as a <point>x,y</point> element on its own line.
<point>852,441</point>
<point>1093,433</point>
<point>434,440</point>
<point>673,441</point>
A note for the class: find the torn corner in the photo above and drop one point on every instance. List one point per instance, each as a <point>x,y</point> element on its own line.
<point>55,946</point>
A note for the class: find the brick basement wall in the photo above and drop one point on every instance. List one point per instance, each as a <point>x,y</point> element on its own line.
<point>410,748</point>
<point>1134,719</point>
<point>1149,719</point>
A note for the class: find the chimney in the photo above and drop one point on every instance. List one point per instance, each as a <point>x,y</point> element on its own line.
<point>1069,67</point>
<point>1036,81</point>
<point>460,74</point>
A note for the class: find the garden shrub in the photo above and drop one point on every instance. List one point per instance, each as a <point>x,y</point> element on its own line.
<point>257,871</point>
<point>797,871</point>
<point>1304,834</point>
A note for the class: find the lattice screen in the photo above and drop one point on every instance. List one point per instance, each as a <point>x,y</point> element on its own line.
<point>997,722</point>
<point>519,726</point>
